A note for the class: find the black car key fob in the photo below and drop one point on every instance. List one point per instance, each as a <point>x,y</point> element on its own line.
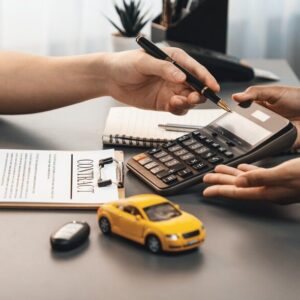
<point>70,236</point>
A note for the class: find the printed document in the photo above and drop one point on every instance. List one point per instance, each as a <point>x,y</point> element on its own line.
<point>55,176</point>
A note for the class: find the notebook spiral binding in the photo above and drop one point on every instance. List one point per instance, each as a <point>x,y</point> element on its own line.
<point>131,141</point>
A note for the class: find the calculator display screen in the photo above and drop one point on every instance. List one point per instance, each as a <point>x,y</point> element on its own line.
<point>243,128</point>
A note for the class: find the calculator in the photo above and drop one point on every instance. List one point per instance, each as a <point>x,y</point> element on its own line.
<point>249,133</point>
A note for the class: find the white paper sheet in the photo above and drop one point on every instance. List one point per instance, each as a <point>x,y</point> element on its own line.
<point>55,176</point>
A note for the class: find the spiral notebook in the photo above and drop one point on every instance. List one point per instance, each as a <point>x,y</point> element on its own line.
<point>135,127</point>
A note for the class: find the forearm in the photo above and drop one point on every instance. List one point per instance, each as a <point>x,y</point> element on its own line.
<point>31,83</point>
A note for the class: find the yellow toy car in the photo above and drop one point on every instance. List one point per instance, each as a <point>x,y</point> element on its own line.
<point>153,221</point>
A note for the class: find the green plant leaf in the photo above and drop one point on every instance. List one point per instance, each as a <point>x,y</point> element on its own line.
<point>122,32</point>
<point>139,27</point>
<point>131,17</point>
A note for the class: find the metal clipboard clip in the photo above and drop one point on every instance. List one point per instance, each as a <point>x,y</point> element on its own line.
<point>119,172</point>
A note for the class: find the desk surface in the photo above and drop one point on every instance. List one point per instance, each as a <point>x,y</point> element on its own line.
<point>252,251</point>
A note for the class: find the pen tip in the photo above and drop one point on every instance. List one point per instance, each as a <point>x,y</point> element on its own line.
<point>224,105</point>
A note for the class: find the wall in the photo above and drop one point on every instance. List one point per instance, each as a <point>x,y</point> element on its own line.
<point>257,28</point>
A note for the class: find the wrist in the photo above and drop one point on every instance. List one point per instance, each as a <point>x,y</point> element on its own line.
<point>97,72</point>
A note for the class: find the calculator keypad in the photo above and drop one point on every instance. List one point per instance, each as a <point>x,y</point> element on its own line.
<point>187,156</point>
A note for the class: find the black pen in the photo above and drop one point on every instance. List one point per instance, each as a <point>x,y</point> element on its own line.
<point>156,52</point>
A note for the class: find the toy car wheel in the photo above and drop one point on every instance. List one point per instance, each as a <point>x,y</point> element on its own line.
<point>104,225</point>
<point>153,244</point>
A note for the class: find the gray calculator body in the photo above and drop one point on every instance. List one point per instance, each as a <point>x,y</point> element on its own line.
<point>247,134</point>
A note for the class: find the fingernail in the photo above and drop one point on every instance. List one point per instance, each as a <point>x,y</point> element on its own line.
<point>242,181</point>
<point>178,75</point>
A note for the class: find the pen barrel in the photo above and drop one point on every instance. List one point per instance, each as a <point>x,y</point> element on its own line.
<point>151,49</point>
<point>209,94</point>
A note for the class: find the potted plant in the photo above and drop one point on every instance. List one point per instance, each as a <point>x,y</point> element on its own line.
<point>132,21</point>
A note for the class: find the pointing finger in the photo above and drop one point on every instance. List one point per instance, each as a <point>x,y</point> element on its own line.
<point>194,67</point>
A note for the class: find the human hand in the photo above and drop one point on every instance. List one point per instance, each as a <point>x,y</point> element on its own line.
<point>283,100</point>
<point>280,184</point>
<point>138,79</point>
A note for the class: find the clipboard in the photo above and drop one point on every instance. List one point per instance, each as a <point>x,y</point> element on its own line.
<point>118,159</point>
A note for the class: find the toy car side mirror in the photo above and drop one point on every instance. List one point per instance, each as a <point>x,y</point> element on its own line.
<point>138,217</point>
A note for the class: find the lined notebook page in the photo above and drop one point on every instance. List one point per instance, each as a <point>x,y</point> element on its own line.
<point>138,123</point>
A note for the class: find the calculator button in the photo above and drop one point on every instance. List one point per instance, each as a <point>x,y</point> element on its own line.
<point>187,156</point>
<point>140,156</point>
<point>166,158</point>
<point>229,143</point>
<point>208,141</point>
<point>195,146</point>
<point>207,155</point>
<point>171,163</point>
<point>175,148</point>
<point>199,166</point>
<point>151,165</point>
<point>160,154</point>
<point>196,133</point>
<point>192,161</point>
<point>215,145</point>
<point>145,161</point>
<point>157,169</point>
<point>153,151</point>
<point>215,160</point>
<point>229,154</point>
<point>222,149</point>
<point>169,144</point>
<point>176,168</point>
<point>201,150</point>
<point>163,174</point>
<point>185,173</point>
<point>170,179</point>
<point>202,137</point>
<point>170,171</point>
<point>180,152</point>
<point>189,142</point>
<point>183,138</point>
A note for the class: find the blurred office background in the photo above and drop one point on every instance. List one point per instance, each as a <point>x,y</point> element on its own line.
<point>257,28</point>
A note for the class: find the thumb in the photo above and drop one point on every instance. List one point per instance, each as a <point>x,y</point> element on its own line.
<point>161,68</point>
<point>259,94</point>
<point>259,177</point>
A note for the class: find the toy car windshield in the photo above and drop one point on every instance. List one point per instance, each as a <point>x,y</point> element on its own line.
<point>161,212</point>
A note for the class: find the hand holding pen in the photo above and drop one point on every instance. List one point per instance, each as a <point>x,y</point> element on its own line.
<point>191,80</point>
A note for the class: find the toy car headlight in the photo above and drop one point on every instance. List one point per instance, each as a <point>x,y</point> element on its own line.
<point>172,237</point>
